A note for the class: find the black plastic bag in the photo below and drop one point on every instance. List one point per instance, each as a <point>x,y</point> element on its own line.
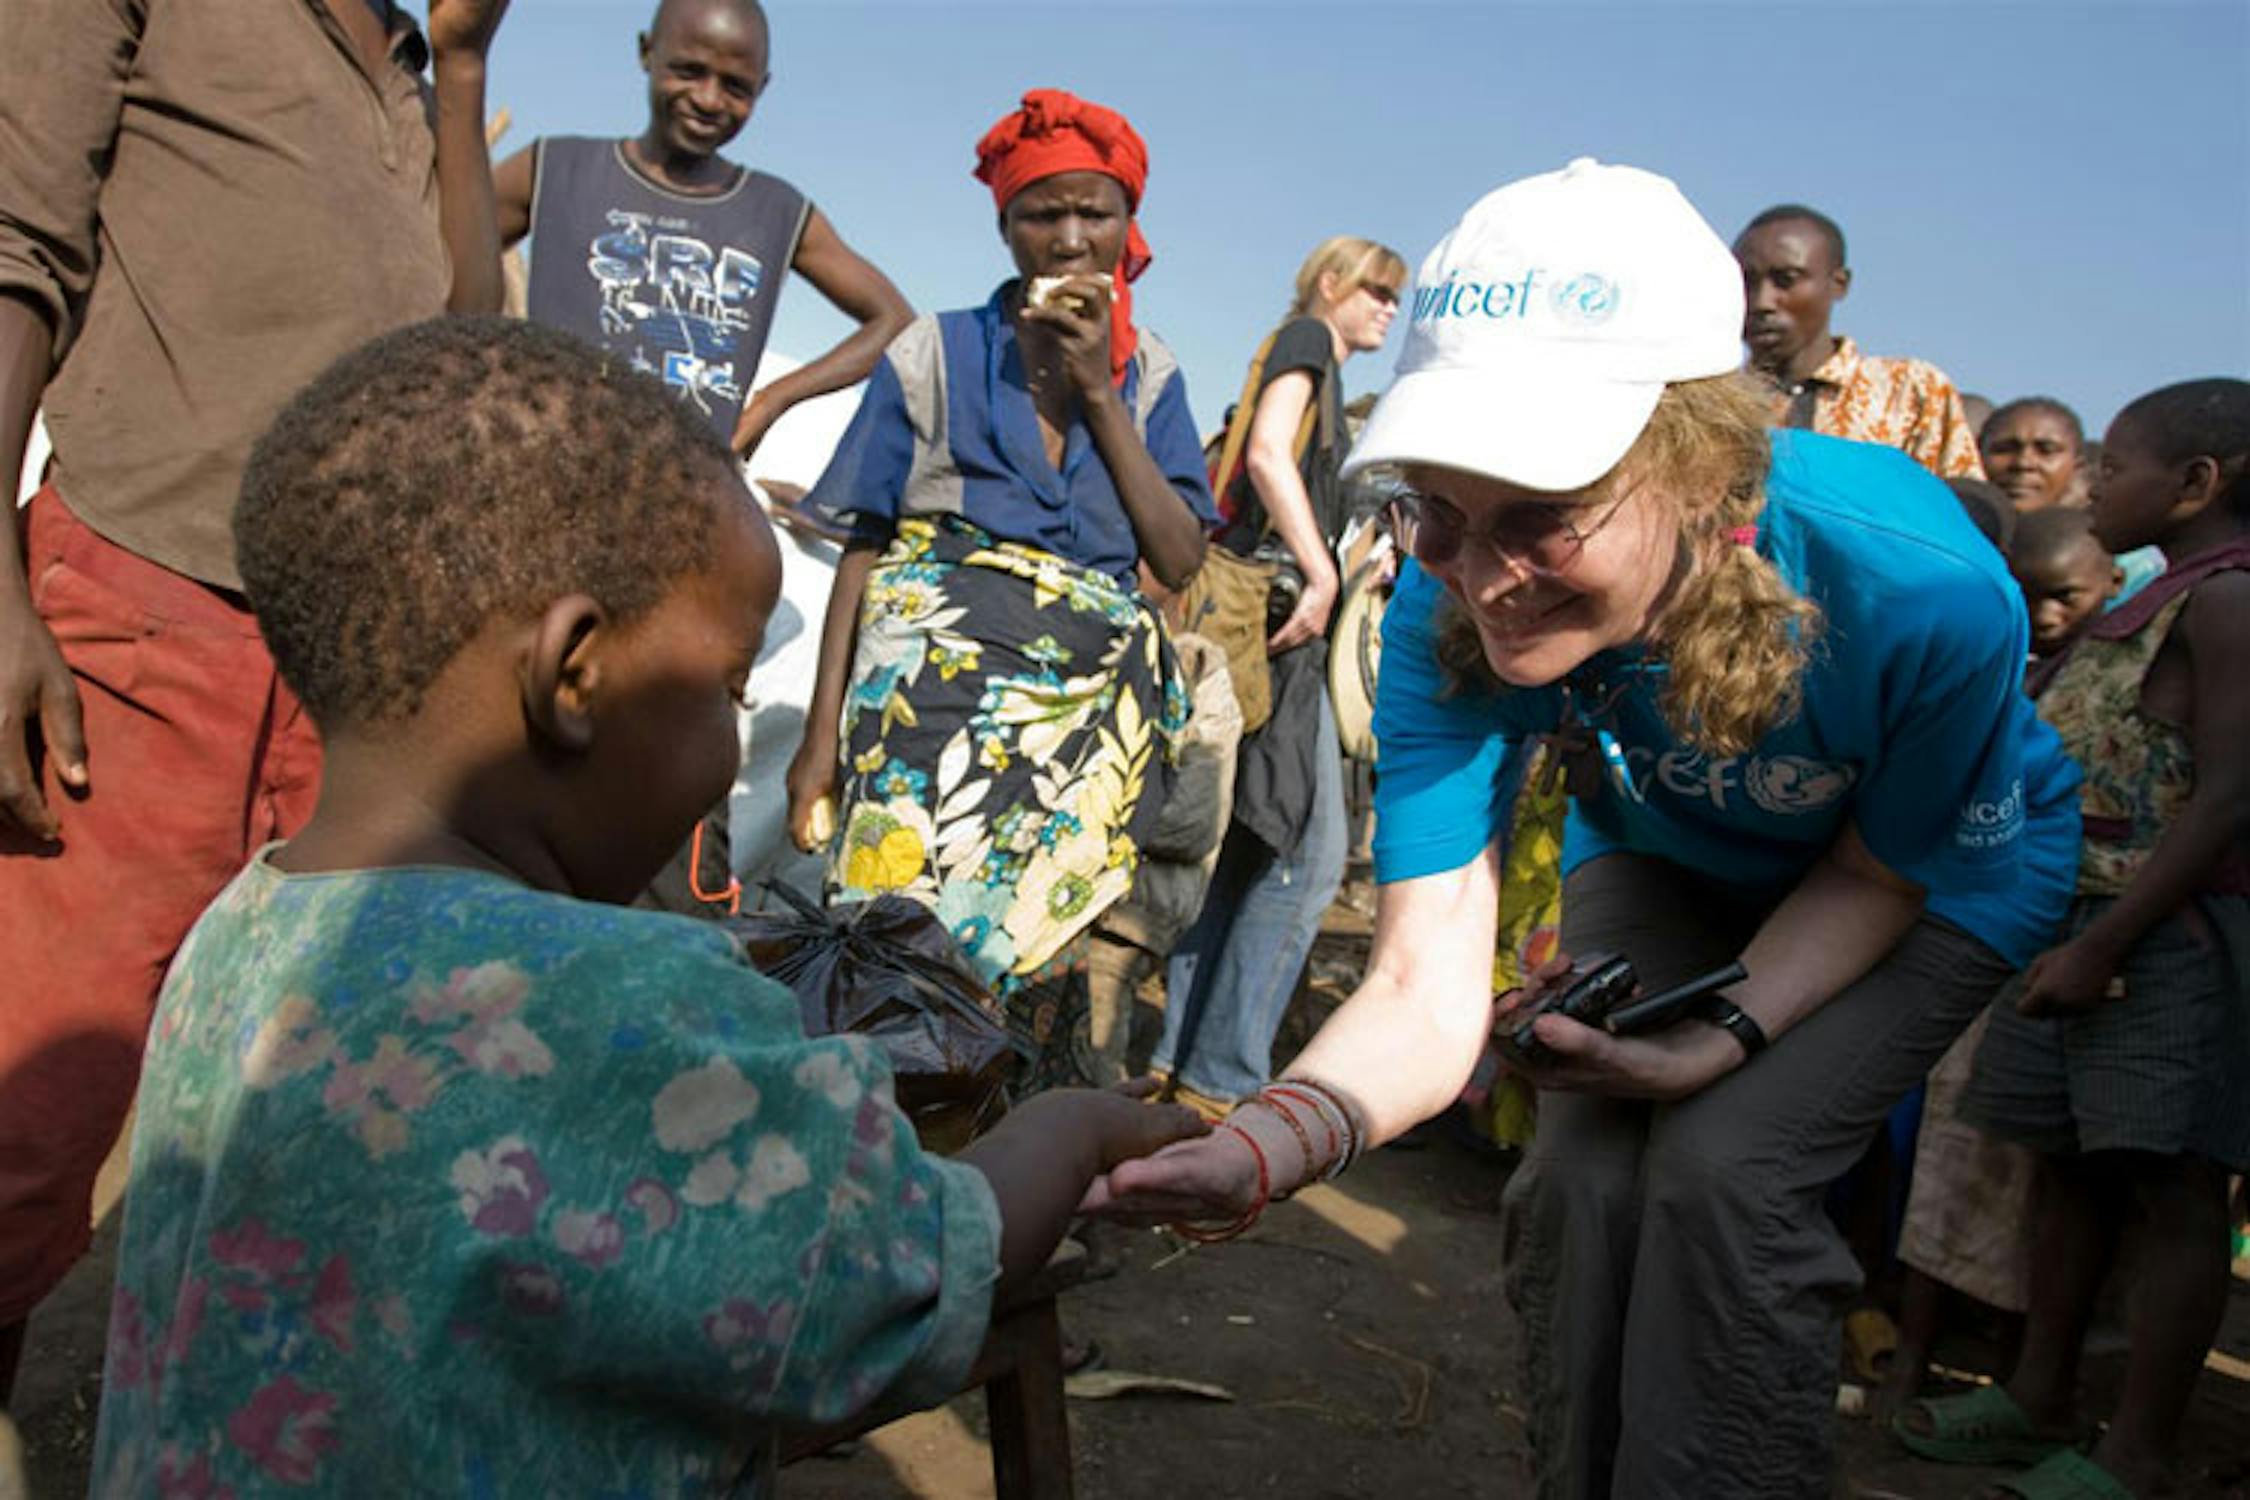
<point>888,970</point>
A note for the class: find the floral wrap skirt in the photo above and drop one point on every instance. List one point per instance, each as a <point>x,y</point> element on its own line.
<point>1010,729</point>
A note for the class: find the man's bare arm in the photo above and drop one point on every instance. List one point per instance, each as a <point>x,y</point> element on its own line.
<point>38,699</point>
<point>857,290</point>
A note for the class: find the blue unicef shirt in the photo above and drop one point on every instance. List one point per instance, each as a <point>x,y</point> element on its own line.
<point>947,427</point>
<point>1914,724</point>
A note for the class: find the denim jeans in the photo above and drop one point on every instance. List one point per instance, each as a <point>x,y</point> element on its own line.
<point>1230,979</point>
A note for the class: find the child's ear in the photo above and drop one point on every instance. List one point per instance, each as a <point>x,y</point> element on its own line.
<point>2116,581</point>
<point>1843,279</point>
<point>561,672</point>
<point>644,46</point>
<point>2202,480</point>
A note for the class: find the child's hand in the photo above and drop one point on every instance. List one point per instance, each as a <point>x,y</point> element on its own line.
<point>2070,980</point>
<point>1126,1127</point>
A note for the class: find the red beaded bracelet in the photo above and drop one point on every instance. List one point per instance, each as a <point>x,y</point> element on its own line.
<point>1321,1099</point>
<point>1311,1168</point>
<point>1235,1227</point>
<point>1327,1126</point>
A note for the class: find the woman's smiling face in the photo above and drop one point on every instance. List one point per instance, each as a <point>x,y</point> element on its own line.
<point>1539,622</point>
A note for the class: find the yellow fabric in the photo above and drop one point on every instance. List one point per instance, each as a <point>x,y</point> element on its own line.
<point>1530,923</point>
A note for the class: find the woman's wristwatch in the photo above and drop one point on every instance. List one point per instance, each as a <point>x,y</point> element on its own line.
<point>1737,1022</point>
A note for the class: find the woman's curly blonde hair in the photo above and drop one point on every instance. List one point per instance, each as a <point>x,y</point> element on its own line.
<point>1736,637</point>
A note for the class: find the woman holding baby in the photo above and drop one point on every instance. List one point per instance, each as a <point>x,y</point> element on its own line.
<point>996,700</point>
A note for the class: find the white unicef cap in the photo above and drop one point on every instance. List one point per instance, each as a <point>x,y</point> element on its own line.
<point>1545,326</point>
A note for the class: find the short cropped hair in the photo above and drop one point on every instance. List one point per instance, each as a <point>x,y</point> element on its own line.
<point>2199,419</point>
<point>2052,535</point>
<point>1988,507</point>
<point>1793,213</point>
<point>452,471</point>
<point>2052,404</point>
<point>748,9</point>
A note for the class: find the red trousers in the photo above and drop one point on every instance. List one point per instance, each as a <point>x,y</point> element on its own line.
<point>197,755</point>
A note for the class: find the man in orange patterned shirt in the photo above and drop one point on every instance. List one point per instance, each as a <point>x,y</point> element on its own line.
<point>1793,274</point>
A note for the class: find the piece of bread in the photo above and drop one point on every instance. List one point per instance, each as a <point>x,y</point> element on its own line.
<point>820,823</point>
<point>1041,290</point>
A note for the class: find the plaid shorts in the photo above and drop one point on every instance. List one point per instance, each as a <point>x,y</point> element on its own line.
<point>2166,1070</point>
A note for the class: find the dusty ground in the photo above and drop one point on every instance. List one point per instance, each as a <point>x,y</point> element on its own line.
<point>1360,1332</point>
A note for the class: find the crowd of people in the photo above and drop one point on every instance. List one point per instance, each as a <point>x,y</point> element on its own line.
<point>372,668</point>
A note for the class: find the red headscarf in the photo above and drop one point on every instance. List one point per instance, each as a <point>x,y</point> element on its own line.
<point>1056,131</point>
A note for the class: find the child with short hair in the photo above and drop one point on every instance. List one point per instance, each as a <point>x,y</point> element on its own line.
<point>450,1176</point>
<point>1968,1209</point>
<point>2126,1061</point>
<point>1988,507</point>
<point>2066,577</point>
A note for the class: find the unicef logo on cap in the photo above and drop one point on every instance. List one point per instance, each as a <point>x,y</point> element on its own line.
<point>1589,298</point>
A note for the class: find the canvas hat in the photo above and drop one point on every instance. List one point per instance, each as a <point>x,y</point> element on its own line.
<point>1545,326</point>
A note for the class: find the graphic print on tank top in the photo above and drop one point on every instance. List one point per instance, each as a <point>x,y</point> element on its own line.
<point>682,287</point>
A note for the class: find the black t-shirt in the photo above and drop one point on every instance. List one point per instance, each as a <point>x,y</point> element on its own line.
<point>1306,344</point>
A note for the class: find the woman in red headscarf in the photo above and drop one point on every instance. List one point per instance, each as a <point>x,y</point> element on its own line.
<point>997,703</point>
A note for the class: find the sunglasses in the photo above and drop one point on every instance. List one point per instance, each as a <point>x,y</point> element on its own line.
<point>1531,534</point>
<point>1387,295</point>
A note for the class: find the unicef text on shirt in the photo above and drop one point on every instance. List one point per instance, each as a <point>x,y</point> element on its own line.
<point>1987,825</point>
<point>1588,297</point>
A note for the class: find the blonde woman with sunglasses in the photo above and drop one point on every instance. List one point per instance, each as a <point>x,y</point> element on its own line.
<point>1780,673</point>
<point>1233,972</point>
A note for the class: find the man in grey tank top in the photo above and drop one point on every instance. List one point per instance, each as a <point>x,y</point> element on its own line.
<point>667,254</point>
<point>672,257</point>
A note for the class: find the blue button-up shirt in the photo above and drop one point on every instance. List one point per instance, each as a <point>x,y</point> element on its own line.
<point>947,426</point>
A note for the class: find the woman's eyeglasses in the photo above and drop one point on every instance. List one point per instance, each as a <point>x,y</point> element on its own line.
<point>1529,534</point>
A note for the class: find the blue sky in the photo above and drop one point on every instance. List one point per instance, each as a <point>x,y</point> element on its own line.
<point>2042,197</point>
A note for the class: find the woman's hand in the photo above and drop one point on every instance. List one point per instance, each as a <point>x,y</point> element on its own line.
<point>2069,980</point>
<point>1208,1179</point>
<point>1078,314</point>
<point>1310,618</point>
<point>1670,1064</point>
<point>810,781</point>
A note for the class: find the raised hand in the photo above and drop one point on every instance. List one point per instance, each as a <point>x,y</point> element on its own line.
<point>1078,313</point>
<point>464,27</point>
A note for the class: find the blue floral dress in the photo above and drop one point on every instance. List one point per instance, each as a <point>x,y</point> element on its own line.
<point>446,1186</point>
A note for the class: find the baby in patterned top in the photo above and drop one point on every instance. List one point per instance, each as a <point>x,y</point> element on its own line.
<point>452,1176</point>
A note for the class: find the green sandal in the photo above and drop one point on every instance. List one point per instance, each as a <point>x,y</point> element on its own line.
<point>1983,1426</point>
<point>2065,1475</point>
